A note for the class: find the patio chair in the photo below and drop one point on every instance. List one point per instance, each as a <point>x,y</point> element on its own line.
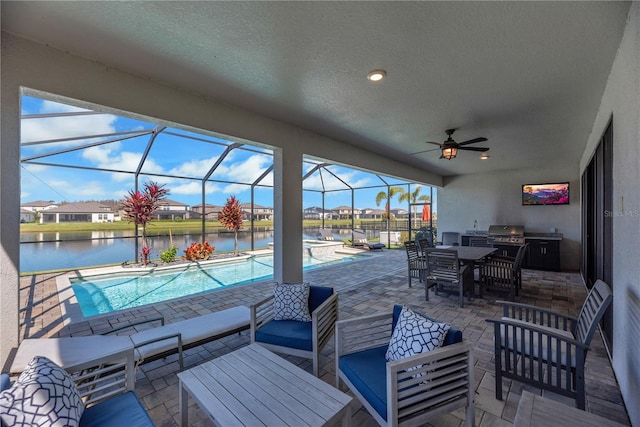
<point>516,263</point>
<point>450,238</point>
<point>360,239</point>
<point>326,234</point>
<point>416,264</point>
<point>411,390</point>
<point>547,349</point>
<point>94,393</point>
<point>291,333</point>
<point>443,269</point>
<point>424,244</point>
<point>498,275</point>
<point>479,242</point>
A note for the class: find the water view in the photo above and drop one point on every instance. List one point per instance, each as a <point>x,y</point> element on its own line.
<point>71,250</point>
<point>51,251</point>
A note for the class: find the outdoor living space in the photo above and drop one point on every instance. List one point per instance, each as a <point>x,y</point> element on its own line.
<point>368,287</point>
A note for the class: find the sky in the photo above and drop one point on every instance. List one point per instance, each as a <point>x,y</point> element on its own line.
<point>185,156</point>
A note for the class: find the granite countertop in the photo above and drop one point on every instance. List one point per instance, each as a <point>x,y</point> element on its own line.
<point>543,236</point>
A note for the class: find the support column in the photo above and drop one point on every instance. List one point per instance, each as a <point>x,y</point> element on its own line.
<point>287,203</point>
<point>9,218</point>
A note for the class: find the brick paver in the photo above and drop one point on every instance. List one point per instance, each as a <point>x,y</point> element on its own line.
<point>365,287</point>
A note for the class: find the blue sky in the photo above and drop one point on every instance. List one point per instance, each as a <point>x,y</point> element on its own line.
<point>175,152</point>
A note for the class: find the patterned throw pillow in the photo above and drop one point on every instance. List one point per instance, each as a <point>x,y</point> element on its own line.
<point>43,395</point>
<point>415,334</point>
<point>291,302</point>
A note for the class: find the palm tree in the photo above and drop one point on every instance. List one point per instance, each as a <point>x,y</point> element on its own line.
<point>414,197</point>
<point>388,197</point>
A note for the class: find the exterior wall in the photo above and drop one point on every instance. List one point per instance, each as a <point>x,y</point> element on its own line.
<point>621,100</point>
<point>496,198</point>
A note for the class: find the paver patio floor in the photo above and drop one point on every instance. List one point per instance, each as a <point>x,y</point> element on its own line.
<point>365,287</point>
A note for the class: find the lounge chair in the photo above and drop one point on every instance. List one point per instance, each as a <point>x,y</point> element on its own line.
<point>326,234</point>
<point>149,344</point>
<point>360,240</point>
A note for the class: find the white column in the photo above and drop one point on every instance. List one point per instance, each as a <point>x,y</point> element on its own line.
<point>9,217</point>
<point>287,200</point>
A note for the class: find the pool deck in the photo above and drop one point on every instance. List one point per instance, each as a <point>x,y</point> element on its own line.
<point>366,287</point>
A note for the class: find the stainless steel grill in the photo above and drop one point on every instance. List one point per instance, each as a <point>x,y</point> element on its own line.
<point>506,235</point>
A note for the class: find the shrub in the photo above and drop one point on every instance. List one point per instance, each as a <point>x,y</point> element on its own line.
<point>169,255</point>
<point>198,251</point>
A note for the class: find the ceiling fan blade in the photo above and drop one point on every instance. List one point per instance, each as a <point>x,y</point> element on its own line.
<point>434,143</point>
<point>472,141</point>
<point>425,151</point>
<point>481,149</point>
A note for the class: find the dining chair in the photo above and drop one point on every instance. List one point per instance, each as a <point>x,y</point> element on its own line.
<point>450,238</point>
<point>415,262</point>
<point>443,268</point>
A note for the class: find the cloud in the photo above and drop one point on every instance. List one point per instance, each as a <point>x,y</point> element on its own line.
<point>43,129</point>
<point>192,188</point>
<point>194,168</point>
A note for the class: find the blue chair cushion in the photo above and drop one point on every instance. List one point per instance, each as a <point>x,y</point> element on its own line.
<point>286,333</point>
<point>367,372</point>
<point>318,295</point>
<point>121,410</point>
<point>453,335</point>
<point>5,382</point>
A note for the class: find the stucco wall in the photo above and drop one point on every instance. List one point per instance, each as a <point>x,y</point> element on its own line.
<point>496,198</point>
<point>621,100</point>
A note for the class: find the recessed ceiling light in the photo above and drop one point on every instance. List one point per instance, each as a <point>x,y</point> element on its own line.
<point>376,75</point>
<point>484,156</point>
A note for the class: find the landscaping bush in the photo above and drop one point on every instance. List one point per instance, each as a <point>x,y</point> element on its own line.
<point>198,251</point>
<point>169,255</point>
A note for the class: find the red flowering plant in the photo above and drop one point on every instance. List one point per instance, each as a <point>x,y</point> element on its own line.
<point>231,218</point>
<point>198,251</point>
<point>139,207</point>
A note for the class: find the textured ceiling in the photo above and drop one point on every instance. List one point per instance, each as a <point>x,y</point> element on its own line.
<point>526,75</point>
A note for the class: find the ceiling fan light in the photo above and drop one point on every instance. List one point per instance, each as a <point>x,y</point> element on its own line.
<point>449,152</point>
<point>484,156</point>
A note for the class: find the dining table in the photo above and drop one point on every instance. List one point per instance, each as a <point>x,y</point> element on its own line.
<point>470,254</point>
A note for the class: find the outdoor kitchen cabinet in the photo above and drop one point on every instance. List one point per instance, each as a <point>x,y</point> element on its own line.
<point>544,254</point>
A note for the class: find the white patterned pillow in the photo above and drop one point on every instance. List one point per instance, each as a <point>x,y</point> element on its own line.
<point>43,395</point>
<point>414,334</point>
<point>291,302</point>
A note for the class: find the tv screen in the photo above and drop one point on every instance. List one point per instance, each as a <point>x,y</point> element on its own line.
<point>545,194</point>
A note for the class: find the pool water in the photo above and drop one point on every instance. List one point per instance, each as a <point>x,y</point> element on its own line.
<point>108,293</point>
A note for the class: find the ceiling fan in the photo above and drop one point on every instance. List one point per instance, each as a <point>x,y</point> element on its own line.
<point>449,148</point>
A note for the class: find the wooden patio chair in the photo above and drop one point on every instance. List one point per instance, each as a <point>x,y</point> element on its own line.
<point>444,269</point>
<point>409,391</point>
<point>416,263</point>
<point>296,337</point>
<point>547,349</point>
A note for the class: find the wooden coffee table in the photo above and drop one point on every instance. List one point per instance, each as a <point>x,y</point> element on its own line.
<point>254,387</point>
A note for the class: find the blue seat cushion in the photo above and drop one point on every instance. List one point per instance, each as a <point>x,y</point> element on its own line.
<point>453,335</point>
<point>318,295</point>
<point>367,371</point>
<point>121,410</point>
<point>286,333</point>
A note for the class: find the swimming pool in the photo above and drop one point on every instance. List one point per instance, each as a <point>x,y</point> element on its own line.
<point>99,294</point>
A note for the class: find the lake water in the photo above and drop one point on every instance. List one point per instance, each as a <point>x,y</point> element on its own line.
<point>52,251</point>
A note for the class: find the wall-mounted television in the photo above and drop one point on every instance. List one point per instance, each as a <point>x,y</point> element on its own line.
<point>545,194</point>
